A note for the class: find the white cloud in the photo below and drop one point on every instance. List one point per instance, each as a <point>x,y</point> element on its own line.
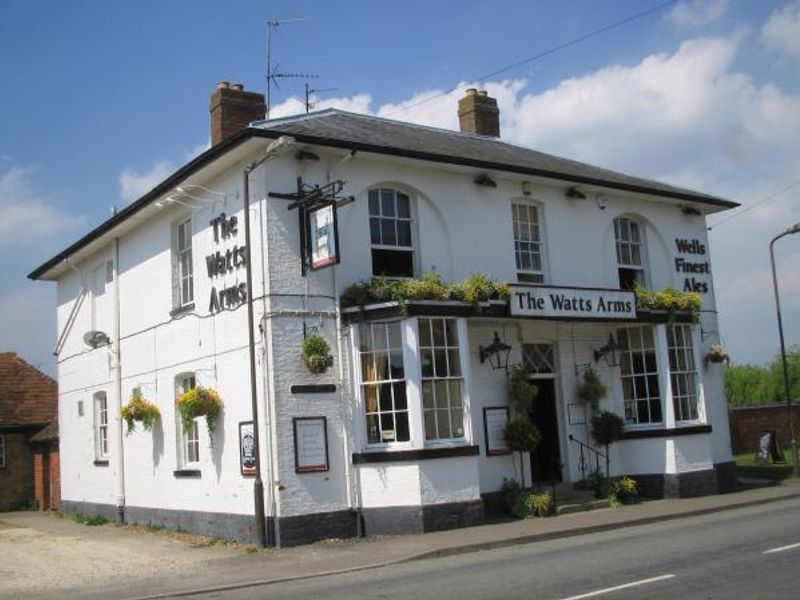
<point>782,31</point>
<point>27,217</point>
<point>693,14</point>
<point>133,184</point>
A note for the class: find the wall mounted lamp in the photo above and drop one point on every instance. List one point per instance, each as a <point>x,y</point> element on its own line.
<point>602,202</point>
<point>496,353</point>
<point>306,155</point>
<point>486,181</point>
<point>575,193</point>
<point>526,188</point>
<point>609,352</point>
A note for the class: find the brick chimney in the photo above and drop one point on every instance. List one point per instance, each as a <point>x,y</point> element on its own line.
<point>233,109</point>
<point>478,113</point>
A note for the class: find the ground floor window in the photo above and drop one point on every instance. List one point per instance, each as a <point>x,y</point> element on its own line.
<point>639,373</point>
<point>383,382</point>
<point>442,383</point>
<point>683,372</point>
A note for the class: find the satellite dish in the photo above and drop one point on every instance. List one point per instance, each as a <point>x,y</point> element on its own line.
<point>95,339</point>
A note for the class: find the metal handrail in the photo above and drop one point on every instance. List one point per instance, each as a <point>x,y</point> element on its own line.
<point>589,451</point>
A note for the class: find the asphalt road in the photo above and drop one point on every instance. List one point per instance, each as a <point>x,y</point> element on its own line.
<point>745,553</point>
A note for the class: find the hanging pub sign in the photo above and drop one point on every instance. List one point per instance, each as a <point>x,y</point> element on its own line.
<point>572,303</point>
<point>323,237</point>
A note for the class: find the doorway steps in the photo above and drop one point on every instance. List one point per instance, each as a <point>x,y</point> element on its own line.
<point>569,500</point>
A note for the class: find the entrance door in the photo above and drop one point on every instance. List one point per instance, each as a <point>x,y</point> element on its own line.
<point>546,459</point>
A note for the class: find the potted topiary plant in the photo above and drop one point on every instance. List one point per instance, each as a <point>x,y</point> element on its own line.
<point>607,428</point>
<point>198,402</point>
<point>591,389</point>
<point>139,409</point>
<point>316,354</point>
<point>522,436</point>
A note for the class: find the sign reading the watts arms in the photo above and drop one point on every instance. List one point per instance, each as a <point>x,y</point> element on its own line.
<point>572,303</point>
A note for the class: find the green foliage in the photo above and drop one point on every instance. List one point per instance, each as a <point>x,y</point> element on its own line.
<point>511,489</point>
<point>669,299</point>
<point>475,288</point>
<point>607,427</point>
<point>748,385</point>
<point>622,491</point>
<point>139,409</point>
<point>591,389</point>
<point>521,391</point>
<point>199,402</point>
<point>90,521</point>
<point>316,353</point>
<point>530,505</point>
<point>521,435</point>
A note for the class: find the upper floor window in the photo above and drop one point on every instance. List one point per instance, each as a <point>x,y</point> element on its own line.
<point>630,253</point>
<point>100,426</point>
<point>383,382</point>
<point>188,438</point>
<point>183,272</point>
<point>390,228</point>
<point>442,381</point>
<point>683,372</point>
<point>527,242</point>
<point>639,373</point>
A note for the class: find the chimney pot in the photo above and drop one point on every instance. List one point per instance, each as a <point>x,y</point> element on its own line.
<point>478,113</point>
<point>233,109</point>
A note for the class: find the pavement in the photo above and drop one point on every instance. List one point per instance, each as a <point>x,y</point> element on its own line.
<point>191,570</point>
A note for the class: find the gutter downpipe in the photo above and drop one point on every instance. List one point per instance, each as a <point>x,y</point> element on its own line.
<point>116,366</point>
<point>258,484</point>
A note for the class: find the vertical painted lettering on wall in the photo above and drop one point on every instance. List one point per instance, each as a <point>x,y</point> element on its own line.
<point>224,261</point>
<point>691,267</point>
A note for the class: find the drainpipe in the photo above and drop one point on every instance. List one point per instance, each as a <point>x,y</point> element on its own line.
<point>116,367</point>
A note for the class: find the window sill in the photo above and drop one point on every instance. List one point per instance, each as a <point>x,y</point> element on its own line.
<point>181,310</point>
<point>187,473</point>
<point>101,463</point>
<point>449,451</point>
<point>639,434</point>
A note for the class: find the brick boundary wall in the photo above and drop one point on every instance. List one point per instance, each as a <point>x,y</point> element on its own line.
<point>749,422</point>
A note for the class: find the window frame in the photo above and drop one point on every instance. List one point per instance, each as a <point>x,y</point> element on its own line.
<point>100,425</point>
<point>181,299</point>
<point>187,442</point>
<point>435,377</point>
<point>690,376</point>
<point>412,248</point>
<point>528,276</point>
<point>640,245</point>
<point>646,373</point>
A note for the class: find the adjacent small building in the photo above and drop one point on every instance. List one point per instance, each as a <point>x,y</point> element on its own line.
<point>399,429</point>
<point>28,436</point>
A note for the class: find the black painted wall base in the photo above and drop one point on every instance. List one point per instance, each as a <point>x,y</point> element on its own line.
<point>678,485</point>
<point>727,480</point>
<point>419,519</point>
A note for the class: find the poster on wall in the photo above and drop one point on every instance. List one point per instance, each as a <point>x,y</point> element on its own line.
<point>323,237</point>
<point>247,448</point>
<point>494,422</point>
<point>310,444</point>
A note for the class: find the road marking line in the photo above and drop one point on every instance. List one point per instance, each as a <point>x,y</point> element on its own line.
<point>620,587</point>
<point>782,548</point>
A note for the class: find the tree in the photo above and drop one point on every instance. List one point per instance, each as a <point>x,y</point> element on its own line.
<point>747,385</point>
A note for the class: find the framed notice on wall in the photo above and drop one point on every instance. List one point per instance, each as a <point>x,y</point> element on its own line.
<point>494,422</point>
<point>247,448</point>
<point>310,444</point>
<point>323,237</point>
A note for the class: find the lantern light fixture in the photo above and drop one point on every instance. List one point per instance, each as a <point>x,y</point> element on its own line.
<point>496,353</point>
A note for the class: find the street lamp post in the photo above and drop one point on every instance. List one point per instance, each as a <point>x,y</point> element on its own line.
<point>795,463</point>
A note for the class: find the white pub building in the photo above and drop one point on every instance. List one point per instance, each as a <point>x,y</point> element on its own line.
<point>216,277</point>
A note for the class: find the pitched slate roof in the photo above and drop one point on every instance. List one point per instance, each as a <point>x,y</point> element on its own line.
<point>443,145</point>
<point>27,396</point>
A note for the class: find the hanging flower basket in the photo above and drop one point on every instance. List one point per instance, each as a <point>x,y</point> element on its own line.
<point>317,354</point>
<point>139,409</point>
<point>716,354</point>
<point>199,402</point>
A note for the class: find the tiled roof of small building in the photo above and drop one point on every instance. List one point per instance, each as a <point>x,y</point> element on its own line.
<point>27,396</point>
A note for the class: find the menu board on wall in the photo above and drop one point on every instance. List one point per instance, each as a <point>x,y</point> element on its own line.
<point>310,444</point>
<point>494,424</point>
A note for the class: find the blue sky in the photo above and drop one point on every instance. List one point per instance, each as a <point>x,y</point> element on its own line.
<point>101,100</point>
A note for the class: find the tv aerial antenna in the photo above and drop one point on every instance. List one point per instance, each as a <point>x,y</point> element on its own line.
<point>274,73</point>
<point>307,102</point>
